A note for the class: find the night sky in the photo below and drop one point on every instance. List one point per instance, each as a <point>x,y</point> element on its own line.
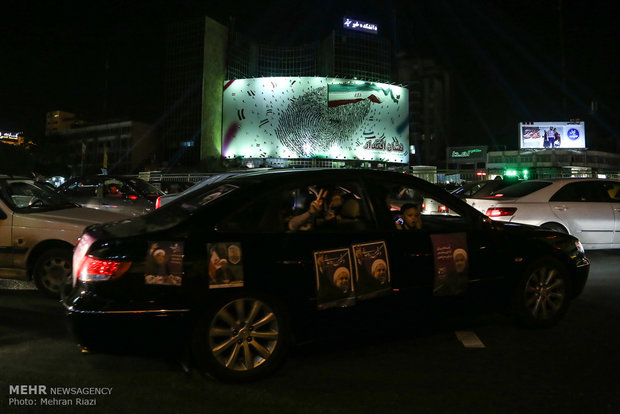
<point>505,57</point>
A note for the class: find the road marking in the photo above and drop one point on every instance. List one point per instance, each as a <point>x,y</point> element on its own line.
<point>469,339</point>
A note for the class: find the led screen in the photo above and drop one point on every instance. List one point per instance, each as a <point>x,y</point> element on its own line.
<point>307,117</point>
<point>552,135</point>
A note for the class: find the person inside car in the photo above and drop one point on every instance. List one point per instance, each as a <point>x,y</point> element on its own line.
<point>323,211</point>
<point>410,217</point>
<point>113,191</point>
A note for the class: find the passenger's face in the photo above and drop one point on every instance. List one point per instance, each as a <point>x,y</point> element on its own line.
<point>336,201</point>
<point>411,217</point>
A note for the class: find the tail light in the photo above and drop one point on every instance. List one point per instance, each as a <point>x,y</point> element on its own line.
<point>443,209</point>
<point>93,269</point>
<point>158,202</point>
<point>500,211</point>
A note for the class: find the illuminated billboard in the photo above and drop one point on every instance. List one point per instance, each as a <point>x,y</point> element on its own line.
<point>306,117</point>
<point>544,135</point>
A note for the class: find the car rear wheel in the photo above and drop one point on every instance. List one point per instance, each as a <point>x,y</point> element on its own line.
<point>52,270</point>
<point>241,338</point>
<point>542,294</point>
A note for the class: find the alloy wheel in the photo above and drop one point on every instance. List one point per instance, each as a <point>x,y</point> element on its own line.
<point>243,334</point>
<point>545,293</point>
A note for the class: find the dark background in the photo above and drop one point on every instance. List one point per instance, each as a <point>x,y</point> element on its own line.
<point>509,60</point>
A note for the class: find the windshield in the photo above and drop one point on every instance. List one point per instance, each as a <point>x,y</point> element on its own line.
<point>27,196</point>
<point>521,189</point>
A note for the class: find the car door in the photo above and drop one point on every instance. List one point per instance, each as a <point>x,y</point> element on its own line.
<point>451,250</point>
<point>585,208</point>
<point>318,263</point>
<point>613,191</point>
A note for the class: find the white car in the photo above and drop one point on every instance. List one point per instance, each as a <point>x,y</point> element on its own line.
<point>38,231</point>
<point>588,208</point>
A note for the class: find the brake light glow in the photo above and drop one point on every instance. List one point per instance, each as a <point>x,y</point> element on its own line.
<point>93,269</point>
<point>158,202</point>
<point>500,211</point>
<point>132,197</point>
<point>443,209</point>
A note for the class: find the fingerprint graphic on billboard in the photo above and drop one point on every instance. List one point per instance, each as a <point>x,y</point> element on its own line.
<point>309,127</point>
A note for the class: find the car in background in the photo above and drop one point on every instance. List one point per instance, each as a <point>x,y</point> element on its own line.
<point>587,208</point>
<point>237,269</point>
<point>117,194</point>
<point>480,189</point>
<point>38,231</point>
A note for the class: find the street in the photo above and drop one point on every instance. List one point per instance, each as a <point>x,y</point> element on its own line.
<point>479,363</point>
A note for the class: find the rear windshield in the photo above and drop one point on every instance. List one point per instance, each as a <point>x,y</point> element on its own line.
<point>204,198</point>
<point>521,189</point>
<point>144,187</point>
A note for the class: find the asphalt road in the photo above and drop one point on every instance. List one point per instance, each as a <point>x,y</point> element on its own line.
<point>469,364</point>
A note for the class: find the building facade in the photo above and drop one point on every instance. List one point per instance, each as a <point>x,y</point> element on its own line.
<point>207,53</point>
<point>120,147</point>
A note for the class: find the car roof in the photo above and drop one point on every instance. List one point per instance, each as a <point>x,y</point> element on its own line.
<point>343,173</point>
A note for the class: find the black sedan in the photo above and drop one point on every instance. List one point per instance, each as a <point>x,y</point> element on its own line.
<point>239,270</point>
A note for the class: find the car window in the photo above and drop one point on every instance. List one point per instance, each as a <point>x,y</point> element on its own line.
<point>521,189</point>
<point>585,191</point>
<point>144,187</point>
<point>113,188</point>
<point>404,202</point>
<point>613,190</point>
<point>81,188</point>
<point>26,196</point>
<point>330,207</point>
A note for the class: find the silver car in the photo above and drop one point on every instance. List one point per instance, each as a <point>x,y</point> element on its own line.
<point>116,194</point>
<point>588,208</point>
<point>38,231</point>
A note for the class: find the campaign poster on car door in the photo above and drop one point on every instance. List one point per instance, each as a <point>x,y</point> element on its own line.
<point>372,269</point>
<point>225,264</point>
<point>451,263</point>
<point>164,264</point>
<point>334,278</point>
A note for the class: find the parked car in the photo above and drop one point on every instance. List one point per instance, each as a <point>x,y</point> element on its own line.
<point>588,208</point>
<point>480,189</point>
<point>241,268</point>
<point>38,230</point>
<point>124,195</point>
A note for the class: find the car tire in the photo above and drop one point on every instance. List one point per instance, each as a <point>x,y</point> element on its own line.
<point>241,338</point>
<point>541,296</point>
<point>52,270</point>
